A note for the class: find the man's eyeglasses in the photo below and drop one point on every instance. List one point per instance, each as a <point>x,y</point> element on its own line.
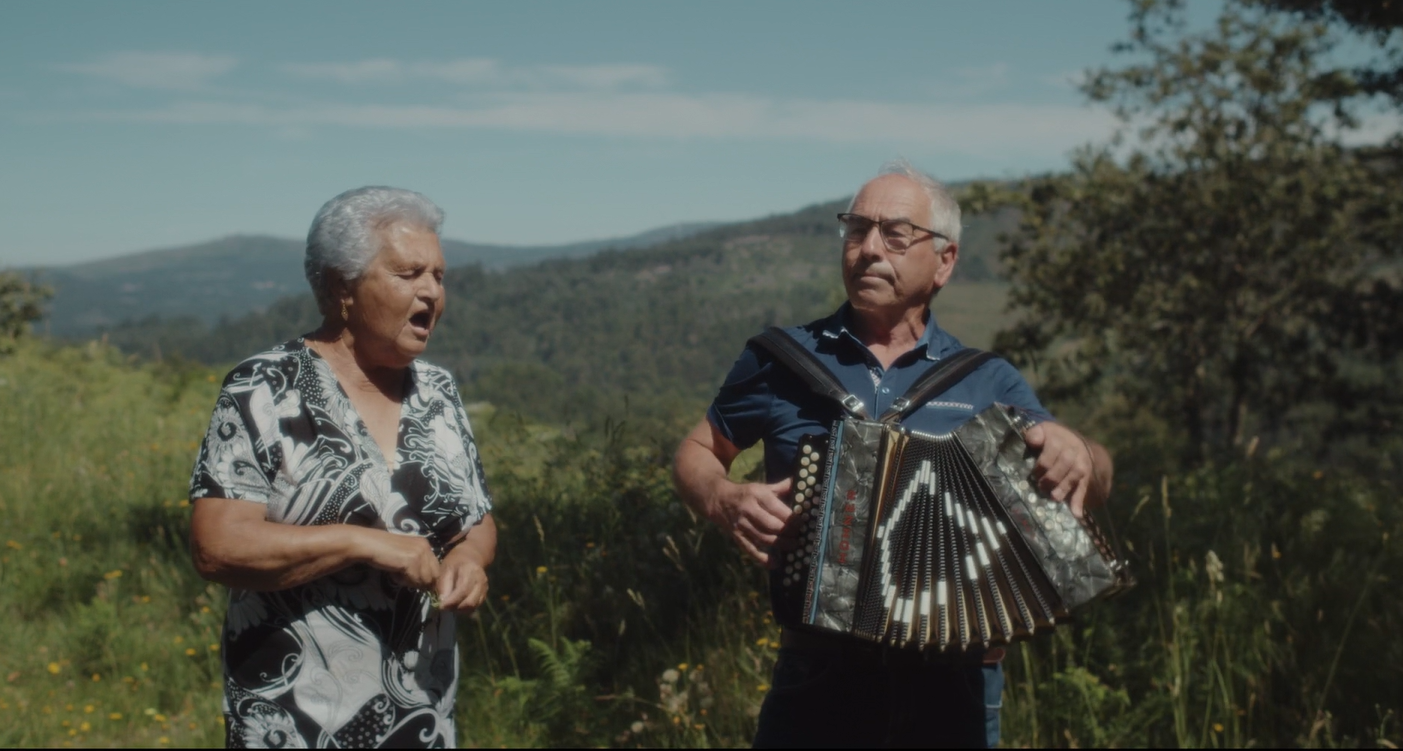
<point>898,234</point>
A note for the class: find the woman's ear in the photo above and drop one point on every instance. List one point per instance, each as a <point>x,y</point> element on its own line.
<point>341,299</point>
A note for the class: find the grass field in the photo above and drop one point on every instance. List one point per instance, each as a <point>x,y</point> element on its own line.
<point>1267,612</point>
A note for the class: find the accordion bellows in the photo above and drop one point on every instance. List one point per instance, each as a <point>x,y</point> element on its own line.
<point>936,542</point>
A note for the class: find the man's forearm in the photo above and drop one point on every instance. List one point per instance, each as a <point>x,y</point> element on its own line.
<point>1102,472</point>
<point>700,477</point>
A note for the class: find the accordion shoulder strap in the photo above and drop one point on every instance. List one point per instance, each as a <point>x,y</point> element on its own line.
<point>943,375</point>
<point>802,363</point>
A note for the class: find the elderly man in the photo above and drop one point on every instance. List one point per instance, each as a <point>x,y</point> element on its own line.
<point>900,244</point>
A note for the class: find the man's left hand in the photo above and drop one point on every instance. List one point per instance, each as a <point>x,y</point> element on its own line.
<point>462,585</point>
<point>1065,466</point>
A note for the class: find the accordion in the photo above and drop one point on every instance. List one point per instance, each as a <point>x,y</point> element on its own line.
<point>935,542</point>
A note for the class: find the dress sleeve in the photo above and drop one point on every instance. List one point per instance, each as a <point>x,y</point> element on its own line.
<point>741,410</point>
<point>476,497</point>
<point>229,465</point>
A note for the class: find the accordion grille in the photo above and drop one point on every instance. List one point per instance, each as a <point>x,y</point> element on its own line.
<point>904,541</point>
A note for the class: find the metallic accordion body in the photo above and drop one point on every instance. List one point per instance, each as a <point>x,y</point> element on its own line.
<point>936,542</point>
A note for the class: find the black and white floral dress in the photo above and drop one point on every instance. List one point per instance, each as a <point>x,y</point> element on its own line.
<point>351,659</point>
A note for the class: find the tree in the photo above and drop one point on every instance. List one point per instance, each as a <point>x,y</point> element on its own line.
<point>1379,20</point>
<point>21,301</point>
<point>1224,261</point>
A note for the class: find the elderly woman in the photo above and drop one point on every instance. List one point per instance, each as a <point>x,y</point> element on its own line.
<point>340,497</point>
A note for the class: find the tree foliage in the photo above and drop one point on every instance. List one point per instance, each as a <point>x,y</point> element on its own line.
<point>1226,261</point>
<point>21,301</point>
<point>1378,20</point>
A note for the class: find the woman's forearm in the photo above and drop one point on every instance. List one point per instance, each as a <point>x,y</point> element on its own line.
<point>479,545</point>
<point>233,544</point>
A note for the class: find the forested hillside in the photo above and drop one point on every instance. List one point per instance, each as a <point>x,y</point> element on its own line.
<point>232,276</point>
<point>647,333</point>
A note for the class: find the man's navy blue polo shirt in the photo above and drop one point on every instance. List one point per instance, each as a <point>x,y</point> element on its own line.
<point>763,400</point>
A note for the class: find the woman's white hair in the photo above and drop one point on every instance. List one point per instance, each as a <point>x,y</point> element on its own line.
<point>345,234</point>
<point>944,209</point>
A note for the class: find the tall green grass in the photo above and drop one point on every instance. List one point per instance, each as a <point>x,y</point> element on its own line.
<point>1267,612</point>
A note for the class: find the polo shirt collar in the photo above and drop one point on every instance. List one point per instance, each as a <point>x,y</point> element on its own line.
<point>839,324</point>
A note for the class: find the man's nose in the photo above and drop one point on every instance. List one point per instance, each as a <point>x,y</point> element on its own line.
<point>872,243</point>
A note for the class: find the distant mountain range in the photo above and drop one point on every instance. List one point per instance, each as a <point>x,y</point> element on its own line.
<point>653,328</point>
<point>233,276</point>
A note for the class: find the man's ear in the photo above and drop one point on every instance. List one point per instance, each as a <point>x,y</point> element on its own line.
<point>947,256</point>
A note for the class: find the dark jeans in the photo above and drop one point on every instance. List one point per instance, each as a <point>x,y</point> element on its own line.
<point>852,698</point>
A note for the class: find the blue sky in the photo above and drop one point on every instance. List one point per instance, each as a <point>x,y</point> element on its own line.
<point>128,126</point>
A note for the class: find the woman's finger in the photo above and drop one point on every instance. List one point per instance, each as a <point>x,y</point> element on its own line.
<point>447,583</point>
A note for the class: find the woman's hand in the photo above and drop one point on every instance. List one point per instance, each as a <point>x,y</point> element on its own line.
<point>409,559</point>
<point>463,584</point>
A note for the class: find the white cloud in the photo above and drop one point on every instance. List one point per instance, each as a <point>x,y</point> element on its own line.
<point>364,71</point>
<point>605,76</point>
<point>484,72</point>
<point>1374,128</point>
<point>1067,79</point>
<point>157,70</point>
<point>986,128</point>
<point>985,77</point>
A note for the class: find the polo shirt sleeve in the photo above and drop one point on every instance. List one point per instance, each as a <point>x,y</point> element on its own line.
<point>1012,389</point>
<point>741,410</point>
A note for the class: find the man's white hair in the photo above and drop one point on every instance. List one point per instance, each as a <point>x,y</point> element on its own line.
<point>345,233</point>
<point>944,209</point>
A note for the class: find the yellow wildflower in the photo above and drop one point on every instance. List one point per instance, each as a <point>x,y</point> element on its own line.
<point>190,652</point>
<point>763,687</point>
<point>540,569</point>
<point>113,574</point>
<point>1218,726</point>
<point>85,727</point>
<point>14,545</point>
<point>96,677</point>
<point>682,666</point>
<point>214,647</point>
<point>88,709</point>
<point>159,717</point>
<point>54,668</point>
<point>115,716</point>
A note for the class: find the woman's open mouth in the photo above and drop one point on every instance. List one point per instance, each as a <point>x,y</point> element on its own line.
<point>422,322</point>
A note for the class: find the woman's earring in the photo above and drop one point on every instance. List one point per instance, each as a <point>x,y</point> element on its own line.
<point>345,314</point>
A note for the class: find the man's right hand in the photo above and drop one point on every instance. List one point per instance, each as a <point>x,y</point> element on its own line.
<point>756,516</point>
<point>409,559</point>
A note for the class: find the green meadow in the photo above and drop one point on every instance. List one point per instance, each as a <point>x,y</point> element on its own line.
<point>1266,612</point>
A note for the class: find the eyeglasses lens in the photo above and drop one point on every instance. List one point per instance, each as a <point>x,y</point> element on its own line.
<point>896,233</point>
